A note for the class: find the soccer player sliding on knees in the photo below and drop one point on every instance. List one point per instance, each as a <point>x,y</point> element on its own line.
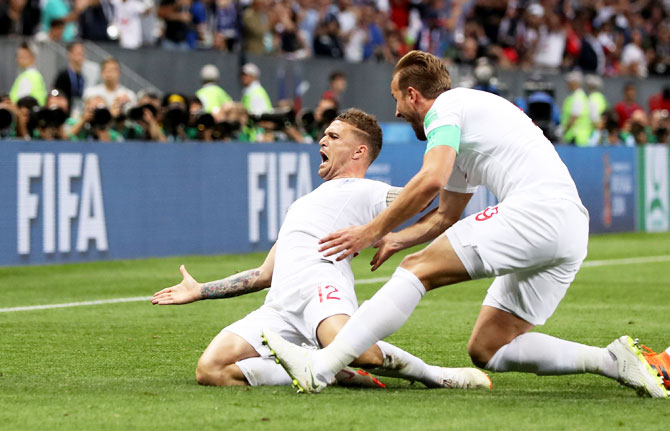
<point>311,298</point>
<point>533,242</point>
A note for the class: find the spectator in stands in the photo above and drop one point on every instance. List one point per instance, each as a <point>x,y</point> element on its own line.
<point>128,22</point>
<point>60,9</point>
<point>633,58</point>
<point>551,42</point>
<point>354,40</point>
<point>211,95</point>
<point>597,100</point>
<point>375,47</point>
<point>254,97</point>
<point>660,101</point>
<point>628,105</point>
<point>660,65</point>
<point>10,16</point>
<point>95,20</point>
<point>660,125</point>
<point>395,45</point>
<point>591,57</point>
<point>288,39</point>
<point>226,34</point>
<point>256,37</point>
<point>56,30</point>
<point>575,115</point>
<point>110,89</point>
<point>30,81</point>
<point>70,80</point>
<point>177,17</point>
<point>199,35</point>
<point>636,130</point>
<point>95,122</point>
<point>607,131</point>
<point>337,84</point>
<point>327,41</point>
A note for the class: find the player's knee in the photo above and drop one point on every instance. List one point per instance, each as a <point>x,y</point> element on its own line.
<point>210,373</point>
<point>415,264</point>
<point>479,354</point>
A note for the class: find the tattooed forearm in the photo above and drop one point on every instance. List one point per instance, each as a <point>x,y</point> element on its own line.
<point>392,194</point>
<point>235,285</point>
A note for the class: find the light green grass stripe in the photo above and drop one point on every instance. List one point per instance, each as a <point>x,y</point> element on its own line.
<point>588,264</point>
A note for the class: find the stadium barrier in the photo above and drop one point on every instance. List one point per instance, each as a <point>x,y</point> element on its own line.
<point>74,202</point>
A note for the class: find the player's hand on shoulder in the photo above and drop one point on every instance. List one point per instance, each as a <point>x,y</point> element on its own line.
<point>183,293</point>
<point>386,247</point>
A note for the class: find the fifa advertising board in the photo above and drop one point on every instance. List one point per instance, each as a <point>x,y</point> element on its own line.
<point>88,201</point>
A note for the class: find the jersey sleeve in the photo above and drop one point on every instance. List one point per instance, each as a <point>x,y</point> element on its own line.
<point>378,193</point>
<point>442,123</point>
<point>458,182</point>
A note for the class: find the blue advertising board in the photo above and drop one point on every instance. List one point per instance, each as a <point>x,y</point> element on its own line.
<point>65,202</point>
<point>72,202</point>
<point>606,179</point>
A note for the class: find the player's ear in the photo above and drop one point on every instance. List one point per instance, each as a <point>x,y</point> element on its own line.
<point>361,152</point>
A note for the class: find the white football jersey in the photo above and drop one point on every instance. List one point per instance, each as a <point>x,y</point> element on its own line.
<point>500,148</point>
<point>334,205</point>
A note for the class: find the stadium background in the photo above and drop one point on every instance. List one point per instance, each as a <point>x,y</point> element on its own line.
<point>137,195</point>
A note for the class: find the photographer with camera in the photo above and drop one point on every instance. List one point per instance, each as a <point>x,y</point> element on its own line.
<point>142,122</point>
<point>279,125</point>
<point>14,119</point>
<point>95,123</point>
<point>175,115</point>
<point>48,123</point>
<point>315,122</point>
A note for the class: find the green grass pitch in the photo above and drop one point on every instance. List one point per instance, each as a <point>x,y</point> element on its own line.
<point>130,366</point>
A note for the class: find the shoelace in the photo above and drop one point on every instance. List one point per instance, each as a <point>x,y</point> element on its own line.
<point>649,352</point>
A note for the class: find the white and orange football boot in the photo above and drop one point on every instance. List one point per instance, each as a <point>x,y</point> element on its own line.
<point>660,362</point>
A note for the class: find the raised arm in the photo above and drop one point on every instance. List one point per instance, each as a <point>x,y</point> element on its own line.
<point>426,229</point>
<point>415,196</point>
<point>189,290</point>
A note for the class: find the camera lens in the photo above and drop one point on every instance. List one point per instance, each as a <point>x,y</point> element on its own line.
<point>6,118</point>
<point>101,117</point>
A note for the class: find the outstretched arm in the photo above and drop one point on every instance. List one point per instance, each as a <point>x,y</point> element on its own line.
<point>189,290</point>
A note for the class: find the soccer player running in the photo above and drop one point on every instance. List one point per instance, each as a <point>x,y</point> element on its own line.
<point>533,242</point>
<point>311,298</point>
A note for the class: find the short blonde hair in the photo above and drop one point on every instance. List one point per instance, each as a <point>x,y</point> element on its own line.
<point>423,71</point>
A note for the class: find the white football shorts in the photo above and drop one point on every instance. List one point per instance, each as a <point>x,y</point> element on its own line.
<point>296,315</point>
<point>533,248</point>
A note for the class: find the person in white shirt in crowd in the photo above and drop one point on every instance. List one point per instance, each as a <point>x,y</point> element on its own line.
<point>128,22</point>
<point>633,59</point>
<point>111,89</point>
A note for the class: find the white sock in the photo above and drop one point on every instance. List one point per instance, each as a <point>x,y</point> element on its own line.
<point>546,355</point>
<point>376,319</point>
<point>404,365</point>
<point>263,372</point>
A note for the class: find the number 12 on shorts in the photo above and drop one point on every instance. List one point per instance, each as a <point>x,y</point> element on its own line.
<point>327,292</point>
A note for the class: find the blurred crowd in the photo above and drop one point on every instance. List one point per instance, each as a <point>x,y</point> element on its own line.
<point>587,118</point>
<point>607,37</point>
<point>72,109</point>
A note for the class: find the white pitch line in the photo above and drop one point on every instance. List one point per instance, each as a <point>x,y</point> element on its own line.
<point>627,261</point>
<point>588,264</point>
<point>76,304</point>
